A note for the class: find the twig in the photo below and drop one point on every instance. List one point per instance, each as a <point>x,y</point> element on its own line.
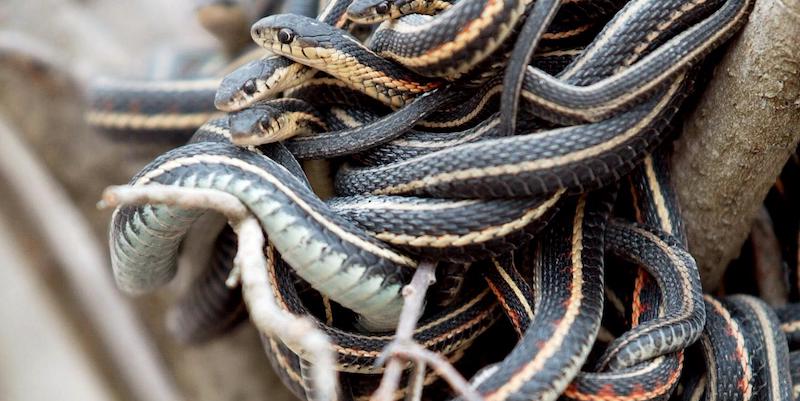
<point>187,198</point>
<point>416,382</point>
<point>414,352</point>
<point>298,333</point>
<point>413,303</point>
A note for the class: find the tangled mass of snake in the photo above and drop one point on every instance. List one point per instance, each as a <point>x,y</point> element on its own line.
<point>521,147</point>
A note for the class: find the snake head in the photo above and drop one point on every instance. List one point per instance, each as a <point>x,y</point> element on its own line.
<point>372,11</point>
<point>295,36</point>
<point>256,125</point>
<point>273,121</point>
<point>255,81</point>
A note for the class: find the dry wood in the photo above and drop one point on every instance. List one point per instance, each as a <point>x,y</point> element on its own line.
<point>413,304</point>
<point>743,130</point>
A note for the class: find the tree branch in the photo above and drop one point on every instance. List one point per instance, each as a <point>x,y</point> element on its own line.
<point>413,303</point>
<point>736,141</point>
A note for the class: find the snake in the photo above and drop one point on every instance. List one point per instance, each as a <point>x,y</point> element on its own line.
<point>251,82</point>
<point>339,54</point>
<point>454,41</point>
<point>266,78</point>
<point>209,308</point>
<point>719,17</point>
<point>449,330</point>
<point>534,176</point>
<point>274,121</point>
<point>356,270</point>
<point>646,379</point>
<point>171,110</point>
<point>766,345</point>
<point>166,110</point>
<point>574,158</point>
<point>656,210</point>
<point>252,176</point>
<point>560,253</point>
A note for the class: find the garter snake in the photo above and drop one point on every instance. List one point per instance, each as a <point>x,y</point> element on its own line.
<point>336,52</point>
<point>766,346</point>
<point>644,380</point>
<point>656,208</point>
<point>372,11</point>
<point>174,107</point>
<point>437,229</point>
<point>367,281</point>
<point>274,121</point>
<point>163,109</point>
<point>209,308</point>
<point>449,330</point>
<point>266,78</point>
<point>569,278</point>
<point>729,21</point>
<point>537,163</point>
<point>359,137</point>
<point>454,41</point>
<point>349,242</point>
<point>355,270</point>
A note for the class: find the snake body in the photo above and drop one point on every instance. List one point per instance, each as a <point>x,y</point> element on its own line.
<point>374,278</point>
<point>489,137</point>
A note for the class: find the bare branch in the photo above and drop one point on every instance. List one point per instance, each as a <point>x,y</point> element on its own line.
<point>296,332</point>
<point>419,354</point>
<point>413,303</point>
<point>188,198</point>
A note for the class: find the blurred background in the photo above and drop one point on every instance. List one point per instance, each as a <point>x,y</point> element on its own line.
<point>66,333</point>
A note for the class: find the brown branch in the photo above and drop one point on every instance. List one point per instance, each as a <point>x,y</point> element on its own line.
<point>743,130</point>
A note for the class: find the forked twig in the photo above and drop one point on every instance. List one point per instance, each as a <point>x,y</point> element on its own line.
<point>413,303</point>
<point>268,317</point>
<point>404,348</point>
<point>414,352</point>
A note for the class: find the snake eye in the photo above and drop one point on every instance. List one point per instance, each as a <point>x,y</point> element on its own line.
<point>249,87</point>
<point>285,36</point>
<point>264,124</point>
<point>382,8</point>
